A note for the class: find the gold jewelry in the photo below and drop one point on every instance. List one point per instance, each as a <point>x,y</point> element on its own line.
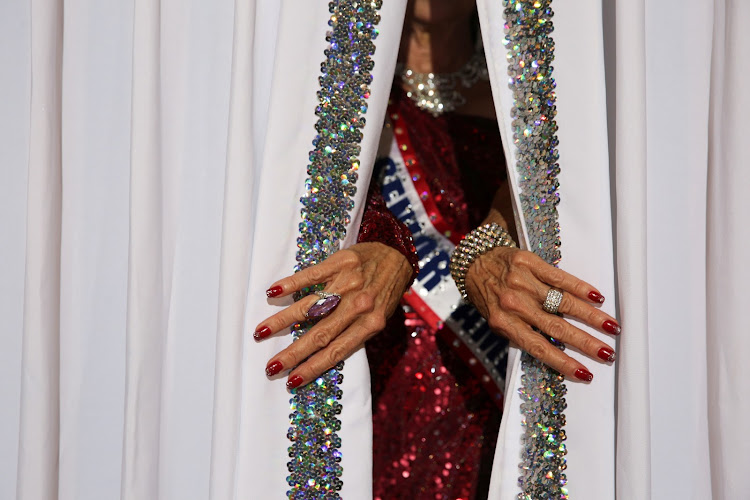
<point>479,241</point>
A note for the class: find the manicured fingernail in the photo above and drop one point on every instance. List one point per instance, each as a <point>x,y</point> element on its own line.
<point>294,382</point>
<point>274,368</point>
<point>596,297</point>
<point>583,374</point>
<point>274,291</point>
<point>611,327</point>
<point>261,333</point>
<point>606,354</point>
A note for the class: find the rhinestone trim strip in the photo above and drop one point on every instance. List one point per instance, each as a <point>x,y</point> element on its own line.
<point>528,28</point>
<point>315,459</point>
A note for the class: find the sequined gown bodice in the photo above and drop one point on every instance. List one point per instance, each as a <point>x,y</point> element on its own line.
<point>434,425</point>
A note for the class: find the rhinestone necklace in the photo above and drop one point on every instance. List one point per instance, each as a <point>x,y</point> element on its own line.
<point>436,93</point>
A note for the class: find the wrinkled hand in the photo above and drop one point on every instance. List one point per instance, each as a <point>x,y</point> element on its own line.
<point>508,287</point>
<point>370,277</point>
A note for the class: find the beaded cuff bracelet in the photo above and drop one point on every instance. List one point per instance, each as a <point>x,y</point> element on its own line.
<point>479,241</point>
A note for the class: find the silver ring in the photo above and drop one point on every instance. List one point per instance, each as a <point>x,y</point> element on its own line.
<point>326,304</point>
<point>552,303</point>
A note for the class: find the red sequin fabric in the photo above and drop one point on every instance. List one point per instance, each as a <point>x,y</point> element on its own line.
<point>435,427</point>
<point>380,225</point>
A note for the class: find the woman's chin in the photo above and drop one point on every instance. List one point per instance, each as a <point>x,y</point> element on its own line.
<point>440,11</point>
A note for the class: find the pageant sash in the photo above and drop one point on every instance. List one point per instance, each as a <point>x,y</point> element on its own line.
<point>434,295</point>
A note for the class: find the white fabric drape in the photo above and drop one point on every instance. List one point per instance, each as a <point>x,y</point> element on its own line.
<point>677,66</point>
<point>671,70</point>
<point>151,158</point>
<point>727,273</point>
<point>586,234</point>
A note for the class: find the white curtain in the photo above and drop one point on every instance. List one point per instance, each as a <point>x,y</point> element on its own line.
<point>152,155</point>
<point>143,147</point>
<point>661,157</point>
<point>676,78</point>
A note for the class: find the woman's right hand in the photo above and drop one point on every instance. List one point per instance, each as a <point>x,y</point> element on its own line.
<point>508,286</point>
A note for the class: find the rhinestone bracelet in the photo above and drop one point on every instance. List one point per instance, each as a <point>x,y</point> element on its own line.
<point>478,242</point>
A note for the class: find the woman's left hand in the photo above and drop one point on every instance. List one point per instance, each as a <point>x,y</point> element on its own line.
<point>369,277</point>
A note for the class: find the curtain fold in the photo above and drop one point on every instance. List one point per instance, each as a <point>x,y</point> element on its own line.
<point>728,274</point>
<point>240,192</point>
<point>633,456</point>
<point>15,149</point>
<point>151,158</point>
<point>149,262</point>
<point>40,396</point>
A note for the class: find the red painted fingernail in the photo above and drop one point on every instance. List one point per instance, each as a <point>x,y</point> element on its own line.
<point>261,333</point>
<point>596,297</point>
<point>606,354</point>
<point>583,374</point>
<point>274,368</point>
<point>611,327</point>
<point>274,291</point>
<point>294,382</point>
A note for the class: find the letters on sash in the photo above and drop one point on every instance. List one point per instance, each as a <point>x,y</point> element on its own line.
<point>433,295</point>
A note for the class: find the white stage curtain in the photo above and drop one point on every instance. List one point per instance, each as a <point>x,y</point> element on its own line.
<point>676,76</point>
<point>143,145</point>
<point>152,156</point>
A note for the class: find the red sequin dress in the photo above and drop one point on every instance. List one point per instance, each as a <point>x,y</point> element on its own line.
<point>435,427</point>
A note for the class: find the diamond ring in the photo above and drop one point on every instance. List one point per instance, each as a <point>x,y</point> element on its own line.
<point>552,302</point>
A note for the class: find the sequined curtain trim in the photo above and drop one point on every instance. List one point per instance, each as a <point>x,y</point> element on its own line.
<point>528,28</point>
<point>346,75</point>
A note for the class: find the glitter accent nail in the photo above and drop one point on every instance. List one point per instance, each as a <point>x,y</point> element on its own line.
<point>584,375</point>
<point>261,333</point>
<point>611,327</point>
<point>606,354</point>
<point>274,368</point>
<point>294,382</point>
<point>596,297</point>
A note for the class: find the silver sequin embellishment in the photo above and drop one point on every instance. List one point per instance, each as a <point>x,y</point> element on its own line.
<point>315,459</point>
<point>528,26</point>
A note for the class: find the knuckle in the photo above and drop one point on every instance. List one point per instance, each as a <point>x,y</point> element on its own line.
<point>348,258</point>
<point>376,323</point>
<point>515,280</point>
<point>556,329</point>
<point>556,280</point>
<point>536,348</point>
<point>356,281</point>
<point>568,305</point>
<point>335,354</point>
<point>320,341</point>
<point>364,302</point>
<point>520,258</point>
<point>510,302</point>
<point>315,274</point>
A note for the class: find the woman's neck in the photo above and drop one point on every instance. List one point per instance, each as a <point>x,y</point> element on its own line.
<point>431,48</point>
